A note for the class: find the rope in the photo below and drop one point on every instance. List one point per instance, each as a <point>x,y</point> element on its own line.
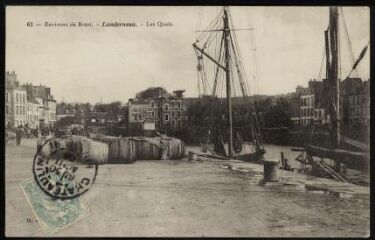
<point>244,86</point>
<point>349,44</point>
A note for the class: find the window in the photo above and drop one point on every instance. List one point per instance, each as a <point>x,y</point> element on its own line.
<point>166,107</point>
<point>173,123</point>
<point>172,113</point>
<point>178,113</point>
<point>16,97</point>
<point>179,123</point>
<point>152,104</point>
<point>158,114</point>
<point>153,113</point>
<point>16,109</point>
<point>179,103</point>
<point>6,109</point>
<point>166,117</point>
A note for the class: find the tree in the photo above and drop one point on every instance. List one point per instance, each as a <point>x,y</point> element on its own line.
<point>113,107</point>
<point>152,92</point>
<point>277,115</point>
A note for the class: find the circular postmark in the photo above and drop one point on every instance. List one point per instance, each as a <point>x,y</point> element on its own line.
<point>63,171</point>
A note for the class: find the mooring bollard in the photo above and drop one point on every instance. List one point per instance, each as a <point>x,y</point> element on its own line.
<point>192,156</point>
<point>270,173</point>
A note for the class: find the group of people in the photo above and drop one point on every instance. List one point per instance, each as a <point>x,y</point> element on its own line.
<point>25,131</point>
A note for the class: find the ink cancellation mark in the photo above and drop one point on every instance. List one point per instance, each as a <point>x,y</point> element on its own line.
<point>62,171</point>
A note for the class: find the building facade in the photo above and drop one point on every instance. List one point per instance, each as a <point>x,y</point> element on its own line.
<point>307,109</point>
<point>41,95</point>
<point>33,113</point>
<point>295,109</point>
<point>165,111</point>
<point>359,105</point>
<point>314,105</point>
<point>15,101</point>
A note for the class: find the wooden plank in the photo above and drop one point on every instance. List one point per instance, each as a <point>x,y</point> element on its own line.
<point>350,158</point>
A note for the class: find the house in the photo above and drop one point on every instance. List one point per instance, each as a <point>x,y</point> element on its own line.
<point>15,101</point>
<point>97,119</point>
<point>166,111</point>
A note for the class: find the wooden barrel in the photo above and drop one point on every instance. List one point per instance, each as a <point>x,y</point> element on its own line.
<point>114,148</point>
<point>127,150</point>
<point>74,144</point>
<point>175,147</point>
<point>85,153</point>
<point>46,149</point>
<point>146,150</point>
<point>99,152</point>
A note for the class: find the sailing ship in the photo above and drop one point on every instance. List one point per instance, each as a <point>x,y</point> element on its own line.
<point>336,152</point>
<point>225,140</point>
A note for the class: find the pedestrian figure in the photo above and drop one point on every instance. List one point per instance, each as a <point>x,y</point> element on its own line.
<point>36,132</point>
<point>19,134</point>
<point>287,165</point>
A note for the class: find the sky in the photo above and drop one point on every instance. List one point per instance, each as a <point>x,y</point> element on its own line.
<point>93,64</point>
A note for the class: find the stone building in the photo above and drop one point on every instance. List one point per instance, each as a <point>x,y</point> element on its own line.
<point>166,111</point>
<point>46,103</point>
<point>314,104</point>
<point>15,101</point>
<point>359,105</point>
<point>308,105</point>
<point>33,113</point>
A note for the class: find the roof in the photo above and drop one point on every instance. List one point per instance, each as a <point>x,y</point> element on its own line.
<point>98,114</point>
<point>32,100</point>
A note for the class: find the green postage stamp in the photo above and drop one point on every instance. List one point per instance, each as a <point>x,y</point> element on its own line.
<point>53,214</point>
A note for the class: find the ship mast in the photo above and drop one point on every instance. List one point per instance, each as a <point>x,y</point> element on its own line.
<point>227,76</point>
<point>333,73</point>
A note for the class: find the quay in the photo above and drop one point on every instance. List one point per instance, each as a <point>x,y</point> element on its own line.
<point>200,197</point>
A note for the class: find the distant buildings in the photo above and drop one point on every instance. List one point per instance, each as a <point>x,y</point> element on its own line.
<point>104,119</point>
<point>358,105</point>
<point>15,101</point>
<point>310,105</point>
<point>28,104</point>
<point>165,111</point>
<point>39,97</point>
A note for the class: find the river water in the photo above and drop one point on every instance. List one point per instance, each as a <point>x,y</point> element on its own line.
<point>273,151</point>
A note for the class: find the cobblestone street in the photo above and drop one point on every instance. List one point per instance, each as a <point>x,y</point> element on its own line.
<point>186,198</point>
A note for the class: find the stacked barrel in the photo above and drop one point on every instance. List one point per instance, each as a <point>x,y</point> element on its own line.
<point>107,149</point>
<point>175,148</point>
